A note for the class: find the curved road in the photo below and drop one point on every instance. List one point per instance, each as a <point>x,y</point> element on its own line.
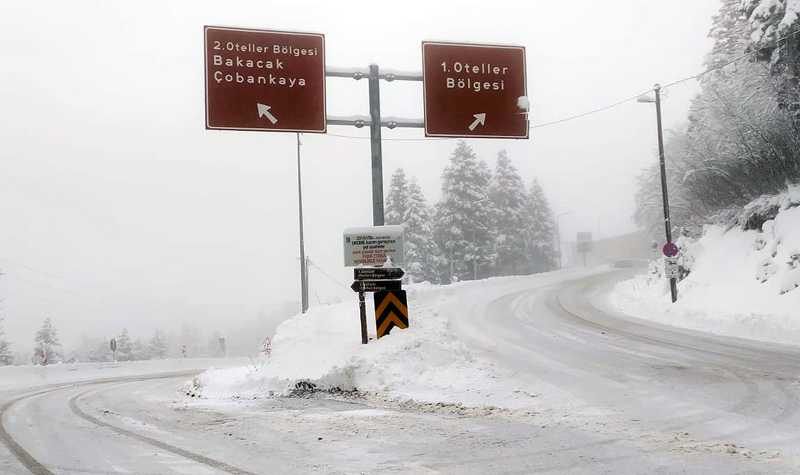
<point>618,395</point>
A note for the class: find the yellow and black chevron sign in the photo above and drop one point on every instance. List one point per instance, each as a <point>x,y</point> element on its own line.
<point>391,310</point>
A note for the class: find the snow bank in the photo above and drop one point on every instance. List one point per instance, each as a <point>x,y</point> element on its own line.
<point>743,280</point>
<point>425,363</point>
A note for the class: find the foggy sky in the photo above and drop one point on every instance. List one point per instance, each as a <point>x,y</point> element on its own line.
<point>117,207</point>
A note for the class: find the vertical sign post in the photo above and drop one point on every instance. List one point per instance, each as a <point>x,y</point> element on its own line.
<point>264,80</point>
<point>375,144</point>
<point>673,281</point>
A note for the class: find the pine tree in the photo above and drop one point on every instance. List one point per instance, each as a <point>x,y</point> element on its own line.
<point>397,199</point>
<point>509,203</point>
<point>423,259</point>
<point>124,346</point>
<point>540,232</point>
<point>463,227</point>
<point>773,26</point>
<point>100,351</point>
<point>158,345</point>
<point>6,358</point>
<point>47,349</point>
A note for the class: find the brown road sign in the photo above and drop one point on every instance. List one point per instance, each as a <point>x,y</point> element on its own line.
<point>264,80</point>
<point>473,90</point>
<point>391,310</point>
<point>375,285</point>
<point>378,273</point>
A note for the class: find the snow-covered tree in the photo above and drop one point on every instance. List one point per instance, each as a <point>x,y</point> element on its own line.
<point>773,27</point>
<point>540,231</point>
<point>463,228</point>
<point>100,351</point>
<point>397,199</point>
<point>124,346</point>
<point>6,358</point>
<point>423,259</point>
<point>139,350</point>
<point>742,139</point>
<point>47,348</point>
<point>510,214</point>
<point>190,341</point>
<point>158,345</point>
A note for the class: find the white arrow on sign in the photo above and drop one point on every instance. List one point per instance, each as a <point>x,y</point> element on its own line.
<point>479,119</point>
<point>263,111</point>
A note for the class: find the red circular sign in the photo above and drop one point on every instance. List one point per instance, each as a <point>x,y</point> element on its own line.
<point>670,249</point>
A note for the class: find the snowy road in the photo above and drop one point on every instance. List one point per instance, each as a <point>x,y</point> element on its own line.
<point>616,395</point>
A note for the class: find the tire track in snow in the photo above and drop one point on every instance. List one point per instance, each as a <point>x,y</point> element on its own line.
<point>219,465</point>
<point>37,467</point>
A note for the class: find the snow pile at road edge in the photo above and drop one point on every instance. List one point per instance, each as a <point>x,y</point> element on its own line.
<point>425,363</point>
<point>743,280</point>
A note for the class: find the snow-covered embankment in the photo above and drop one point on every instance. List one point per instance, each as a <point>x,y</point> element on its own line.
<point>743,277</point>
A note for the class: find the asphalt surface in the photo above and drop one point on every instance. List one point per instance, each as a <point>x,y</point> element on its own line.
<point>618,395</point>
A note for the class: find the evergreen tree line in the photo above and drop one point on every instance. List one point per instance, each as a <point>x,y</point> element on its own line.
<point>6,358</point>
<point>742,137</point>
<point>48,349</point>
<point>487,223</point>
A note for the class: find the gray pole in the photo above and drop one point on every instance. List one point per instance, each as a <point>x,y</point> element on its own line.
<point>375,144</point>
<point>673,284</point>
<point>362,312</point>
<point>303,267</point>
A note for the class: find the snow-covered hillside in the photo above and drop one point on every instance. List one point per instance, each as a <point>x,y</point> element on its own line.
<point>743,277</point>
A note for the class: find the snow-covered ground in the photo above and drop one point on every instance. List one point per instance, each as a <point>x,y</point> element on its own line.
<point>742,282</point>
<point>426,363</point>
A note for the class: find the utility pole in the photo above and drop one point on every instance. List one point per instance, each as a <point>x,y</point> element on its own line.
<point>303,265</point>
<point>673,283</point>
<point>558,236</point>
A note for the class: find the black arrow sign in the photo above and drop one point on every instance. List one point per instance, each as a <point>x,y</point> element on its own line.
<point>377,273</point>
<point>375,285</point>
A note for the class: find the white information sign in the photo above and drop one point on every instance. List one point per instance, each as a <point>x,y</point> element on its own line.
<point>370,246</point>
<point>671,267</point>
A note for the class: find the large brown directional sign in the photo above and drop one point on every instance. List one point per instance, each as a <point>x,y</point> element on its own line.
<point>264,80</point>
<point>473,90</point>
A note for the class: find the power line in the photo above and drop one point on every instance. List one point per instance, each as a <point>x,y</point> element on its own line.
<point>391,139</point>
<point>331,278</point>
<point>593,111</point>
<point>734,60</point>
<point>615,104</point>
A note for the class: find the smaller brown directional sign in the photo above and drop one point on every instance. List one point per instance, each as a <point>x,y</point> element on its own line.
<point>474,90</point>
<point>375,285</point>
<point>264,80</point>
<point>391,310</point>
<point>378,273</point>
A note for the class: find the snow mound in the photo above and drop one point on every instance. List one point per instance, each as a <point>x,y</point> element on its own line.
<point>322,350</point>
<point>741,280</point>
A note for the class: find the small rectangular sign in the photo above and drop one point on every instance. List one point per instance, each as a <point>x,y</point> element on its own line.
<point>671,270</point>
<point>584,242</point>
<point>370,246</point>
<point>375,285</point>
<point>377,273</point>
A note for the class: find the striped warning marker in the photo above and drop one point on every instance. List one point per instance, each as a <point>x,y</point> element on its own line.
<point>391,310</point>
